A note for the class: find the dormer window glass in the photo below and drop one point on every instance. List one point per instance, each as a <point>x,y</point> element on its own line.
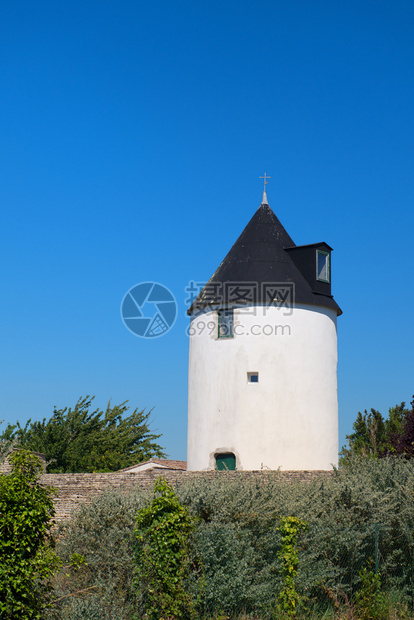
<point>225,323</point>
<point>322,266</point>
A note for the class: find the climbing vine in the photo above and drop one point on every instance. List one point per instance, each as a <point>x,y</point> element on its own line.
<point>162,557</point>
<point>289,599</point>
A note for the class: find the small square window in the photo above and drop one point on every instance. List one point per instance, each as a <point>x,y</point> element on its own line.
<point>225,323</point>
<point>322,266</point>
<point>253,377</point>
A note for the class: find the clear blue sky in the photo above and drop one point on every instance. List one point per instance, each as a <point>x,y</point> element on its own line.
<point>132,138</point>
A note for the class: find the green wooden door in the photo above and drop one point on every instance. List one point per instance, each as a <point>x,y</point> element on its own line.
<point>226,461</point>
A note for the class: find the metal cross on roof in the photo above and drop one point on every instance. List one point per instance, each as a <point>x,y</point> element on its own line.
<point>265,181</point>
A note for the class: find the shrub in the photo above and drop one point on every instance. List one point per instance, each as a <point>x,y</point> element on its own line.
<point>27,559</point>
<point>103,532</point>
<point>372,604</point>
<point>162,555</point>
<point>238,542</point>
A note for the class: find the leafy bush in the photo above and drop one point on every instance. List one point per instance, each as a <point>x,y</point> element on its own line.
<point>372,604</point>
<point>341,512</point>
<point>238,542</point>
<point>103,532</point>
<point>162,554</point>
<point>27,560</point>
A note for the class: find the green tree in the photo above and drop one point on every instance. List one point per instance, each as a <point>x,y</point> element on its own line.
<point>401,434</point>
<point>377,436</point>
<point>27,559</point>
<point>6,447</point>
<point>85,440</point>
<point>369,436</point>
<point>162,556</point>
<point>396,419</point>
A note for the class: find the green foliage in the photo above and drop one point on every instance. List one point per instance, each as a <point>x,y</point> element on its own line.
<point>377,436</point>
<point>162,556</point>
<point>237,543</point>
<point>6,447</point>
<point>372,604</point>
<point>289,599</point>
<point>27,559</point>
<point>103,587</point>
<point>81,440</point>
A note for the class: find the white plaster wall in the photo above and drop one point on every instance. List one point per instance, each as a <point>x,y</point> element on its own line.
<point>289,419</point>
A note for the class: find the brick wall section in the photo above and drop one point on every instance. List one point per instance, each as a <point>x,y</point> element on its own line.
<point>75,489</point>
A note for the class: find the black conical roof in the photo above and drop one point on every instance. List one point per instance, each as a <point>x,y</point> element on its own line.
<point>259,257</point>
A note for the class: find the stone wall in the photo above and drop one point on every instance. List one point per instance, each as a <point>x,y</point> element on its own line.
<point>5,466</point>
<point>72,490</point>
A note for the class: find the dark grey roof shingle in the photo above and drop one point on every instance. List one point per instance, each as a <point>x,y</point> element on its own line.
<point>259,256</point>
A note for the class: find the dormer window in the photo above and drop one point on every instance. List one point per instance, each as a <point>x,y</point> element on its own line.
<point>225,323</point>
<point>322,266</point>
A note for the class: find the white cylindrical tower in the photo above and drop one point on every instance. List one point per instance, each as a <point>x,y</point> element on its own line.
<point>263,357</point>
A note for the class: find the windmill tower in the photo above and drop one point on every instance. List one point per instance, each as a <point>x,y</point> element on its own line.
<point>263,356</point>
